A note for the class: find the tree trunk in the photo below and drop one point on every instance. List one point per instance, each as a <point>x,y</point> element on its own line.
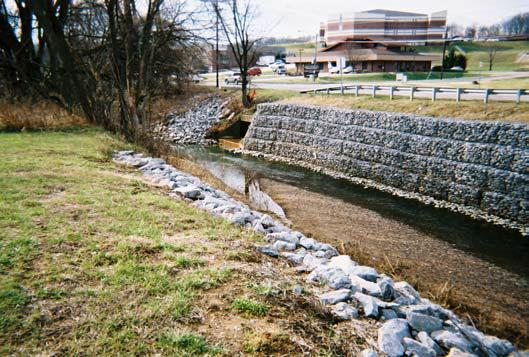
<point>245,100</point>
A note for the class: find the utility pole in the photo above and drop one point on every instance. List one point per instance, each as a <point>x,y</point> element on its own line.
<point>217,43</point>
<point>315,57</point>
<point>300,64</point>
<point>444,51</point>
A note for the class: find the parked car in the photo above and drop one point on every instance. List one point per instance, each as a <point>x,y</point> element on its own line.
<point>348,69</point>
<point>196,78</point>
<point>278,63</point>
<point>334,70</point>
<point>255,71</point>
<point>234,78</point>
<point>281,70</point>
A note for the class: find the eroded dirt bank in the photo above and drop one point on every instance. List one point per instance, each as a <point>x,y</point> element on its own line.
<point>493,298</point>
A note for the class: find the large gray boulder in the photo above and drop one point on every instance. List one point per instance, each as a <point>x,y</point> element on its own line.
<point>294,258</point>
<point>421,322</point>
<point>491,344</point>
<point>344,311</point>
<point>343,262</point>
<point>282,245</point>
<point>309,243</point>
<point>366,287</point>
<point>288,237</point>
<point>310,262</point>
<point>335,297</point>
<point>333,277</point>
<point>448,339</point>
<point>426,340</point>
<point>390,337</point>
<point>190,192</point>
<point>268,250</point>
<point>414,348</point>
<point>367,353</point>
<point>364,272</point>
<point>456,352</point>
<point>368,303</point>
<point>387,287</point>
<point>406,291</point>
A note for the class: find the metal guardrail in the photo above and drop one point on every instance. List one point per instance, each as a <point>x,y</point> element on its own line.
<point>411,91</point>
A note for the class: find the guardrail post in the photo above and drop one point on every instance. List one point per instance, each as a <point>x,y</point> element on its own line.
<point>356,90</point>
<point>374,91</point>
<point>391,90</point>
<point>341,90</point>
<point>518,96</point>
<point>458,94</point>
<point>486,96</point>
<point>412,91</point>
<point>328,91</point>
<point>434,92</point>
<point>314,91</point>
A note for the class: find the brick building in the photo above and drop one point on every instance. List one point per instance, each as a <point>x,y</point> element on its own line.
<point>384,26</point>
<point>367,56</point>
<point>377,41</point>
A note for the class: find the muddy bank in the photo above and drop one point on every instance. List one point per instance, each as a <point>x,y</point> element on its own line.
<point>495,298</point>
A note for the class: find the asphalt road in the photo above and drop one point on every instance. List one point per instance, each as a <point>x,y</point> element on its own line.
<point>275,83</point>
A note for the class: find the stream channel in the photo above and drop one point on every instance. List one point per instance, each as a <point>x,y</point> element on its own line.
<point>487,266</point>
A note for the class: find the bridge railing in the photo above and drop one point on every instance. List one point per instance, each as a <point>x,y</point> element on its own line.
<point>516,95</point>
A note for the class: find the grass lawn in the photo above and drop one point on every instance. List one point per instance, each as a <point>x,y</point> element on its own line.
<point>505,60</point>
<point>93,261</point>
<point>470,110</point>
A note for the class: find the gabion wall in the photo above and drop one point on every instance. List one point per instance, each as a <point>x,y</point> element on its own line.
<point>480,165</point>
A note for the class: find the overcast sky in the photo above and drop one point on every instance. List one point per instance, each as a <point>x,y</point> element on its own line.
<point>292,18</point>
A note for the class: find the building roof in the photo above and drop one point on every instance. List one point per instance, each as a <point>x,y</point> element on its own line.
<point>393,13</point>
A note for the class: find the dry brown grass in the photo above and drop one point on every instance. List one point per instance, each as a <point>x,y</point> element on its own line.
<point>471,110</point>
<point>39,115</point>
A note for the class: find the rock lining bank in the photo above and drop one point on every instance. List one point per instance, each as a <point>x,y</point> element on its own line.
<point>409,323</point>
<point>475,168</point>
<point>191,126</point>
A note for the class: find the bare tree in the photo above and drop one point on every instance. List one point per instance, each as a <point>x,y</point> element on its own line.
<point>94,54</point>
<point>492,49</point>
<point>237,21</point>
<point>454,30</point>
<point>517,25</point>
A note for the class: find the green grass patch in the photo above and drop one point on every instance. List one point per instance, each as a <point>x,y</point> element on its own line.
<point>84,264</point>
<point>187,344</point>
<point>249,306</point>
<point>185,262</point>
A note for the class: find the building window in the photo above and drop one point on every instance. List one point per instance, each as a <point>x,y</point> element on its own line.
<point>364,65</point>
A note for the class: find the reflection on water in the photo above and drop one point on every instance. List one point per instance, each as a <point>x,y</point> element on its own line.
<point>503,247</point>
<point>235,176</point>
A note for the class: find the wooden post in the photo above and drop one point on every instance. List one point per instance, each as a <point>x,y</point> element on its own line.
<point>356,90</point>
<point>391,90</point>
<point>518,96</point>
<point>328,91</point>
<point>434,92</point>
<point>458,95</point>
<point>412,91</point>
<point>486,96</point>
<point>374,91</point>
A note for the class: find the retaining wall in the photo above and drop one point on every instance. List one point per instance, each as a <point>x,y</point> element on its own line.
<point>472,166</point>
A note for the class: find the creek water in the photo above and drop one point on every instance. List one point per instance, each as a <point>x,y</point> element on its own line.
<point>505,248</point>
